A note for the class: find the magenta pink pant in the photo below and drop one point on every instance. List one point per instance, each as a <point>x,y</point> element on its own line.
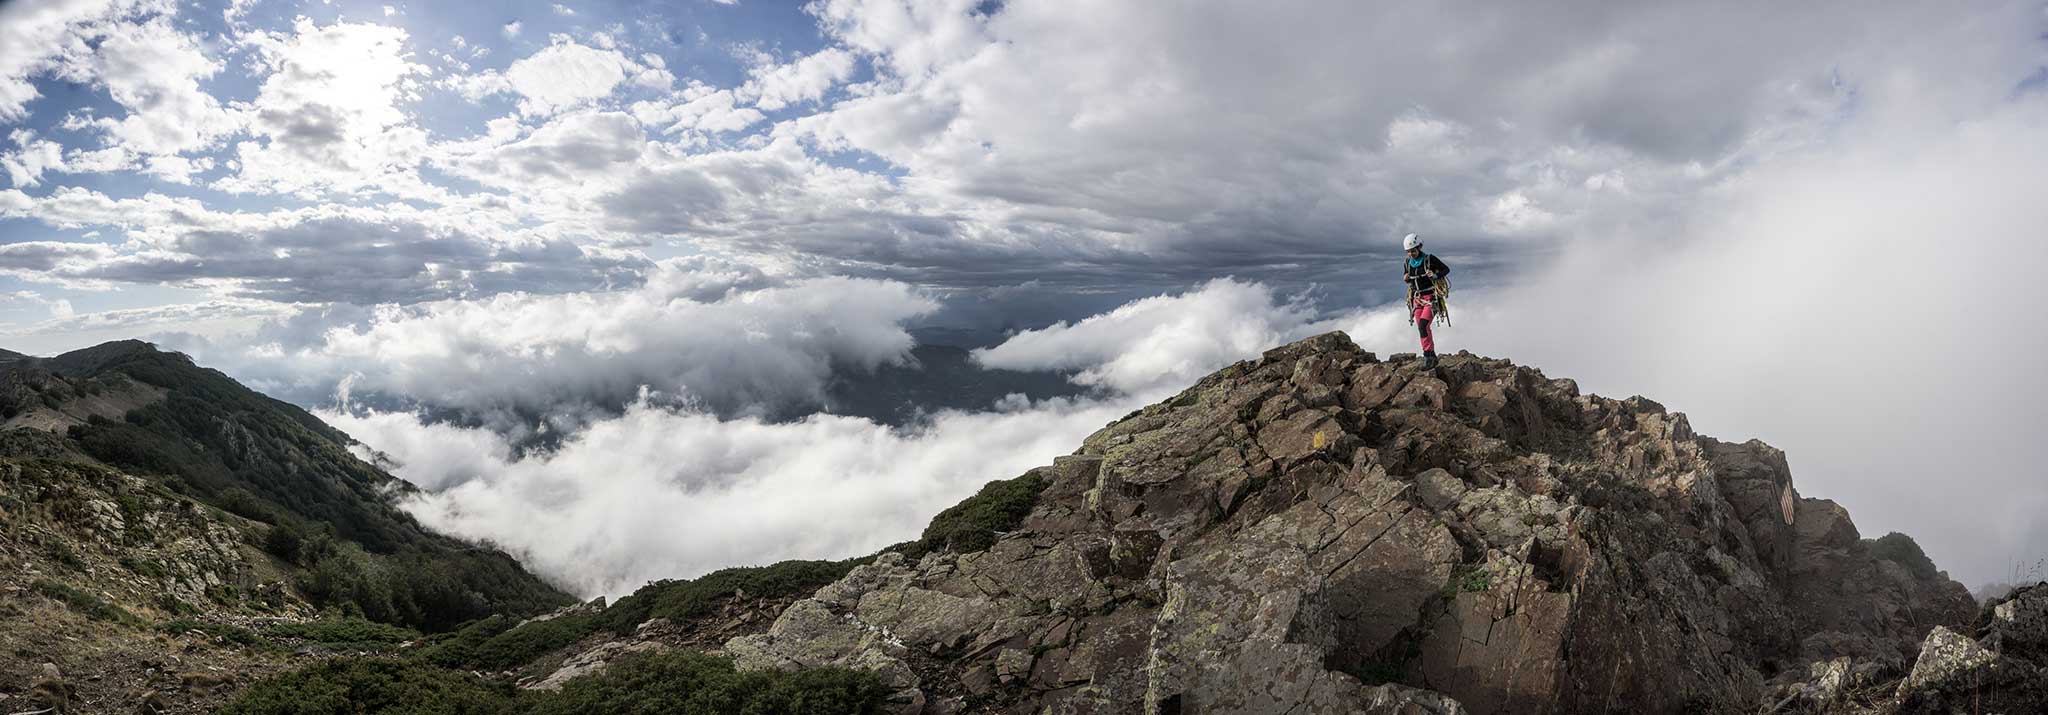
<point>1424,309</point>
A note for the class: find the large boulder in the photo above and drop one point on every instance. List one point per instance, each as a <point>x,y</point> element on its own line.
<point>1321,531</point>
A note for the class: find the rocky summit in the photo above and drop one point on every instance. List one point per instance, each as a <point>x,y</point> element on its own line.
<point>1322,531</point>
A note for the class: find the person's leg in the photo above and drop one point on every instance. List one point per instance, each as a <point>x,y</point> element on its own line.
<point>1424,313</point>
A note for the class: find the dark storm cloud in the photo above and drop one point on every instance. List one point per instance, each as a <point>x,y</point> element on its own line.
<point>349,260</point>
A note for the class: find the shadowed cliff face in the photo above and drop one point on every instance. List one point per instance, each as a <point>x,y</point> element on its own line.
<point>1318,531</point>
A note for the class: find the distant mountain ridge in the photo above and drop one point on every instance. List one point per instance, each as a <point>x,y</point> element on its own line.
<point>157,415</point>
<point>136,486</point>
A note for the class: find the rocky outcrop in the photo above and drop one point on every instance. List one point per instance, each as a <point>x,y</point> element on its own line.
<point>2002,670</point>
<point>1320,531</point>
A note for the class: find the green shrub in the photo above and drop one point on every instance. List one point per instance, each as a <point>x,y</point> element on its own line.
<point>697,684</point>
<point>499,643</point>
<point>971,525</point>
<point>343,630</point>
<point>238,501</point>
<point>357,686</point>
<point>149,568</point>
<point>286,541</point>
<point>1474,580</point>
<point>1901,549</point>
<point>92,606</point>
<point>465,646</point>
<point>681,600</point>
<point>218,631</point>
<point>63,554</point>
<point>175,606</point>
<point>426,591</point>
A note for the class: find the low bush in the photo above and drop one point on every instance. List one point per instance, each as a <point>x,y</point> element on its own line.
<point>492,646</point>
<point>972,524</point>
<point>218,631</point>
<point>681,600</point>
<point>698,684</point>
<point>1901,549</point>
<point>352,686</point>
<point>343,630</point>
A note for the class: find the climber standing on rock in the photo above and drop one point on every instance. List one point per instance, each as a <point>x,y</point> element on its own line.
<point>1428,286</point>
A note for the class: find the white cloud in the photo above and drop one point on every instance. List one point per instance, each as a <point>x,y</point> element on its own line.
<point>1155,346</point>
<point>703,109</point>
<point>153,71</point>
<point>372,253</point>
<point>684,493</point>
<point>33,33</point>
<point>99,161</point>
<point>132,50</point>
<point>574,149</point>
<point>34,156</point>
<point>1513,214</point>
<point>1350,120</point>
<point>67,329</point>
<point>721,336</point>
<point>807,79</point>
<point>565,10</point>
<point>567,74</point>
<point>329,115</point>
<point>177,169</point>
<point>56,308</point>
<point>236,9</point>
<point>511,29</point>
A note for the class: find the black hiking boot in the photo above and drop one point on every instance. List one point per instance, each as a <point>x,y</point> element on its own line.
<point>1429,360</point>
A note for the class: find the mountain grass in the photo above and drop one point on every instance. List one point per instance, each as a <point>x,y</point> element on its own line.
<point>89,605</point>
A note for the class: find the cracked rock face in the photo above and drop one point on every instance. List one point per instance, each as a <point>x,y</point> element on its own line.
<point>2004,670</point>
<point>1319,531</point>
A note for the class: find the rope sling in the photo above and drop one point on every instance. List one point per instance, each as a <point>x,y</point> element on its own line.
<point>1439,302</point>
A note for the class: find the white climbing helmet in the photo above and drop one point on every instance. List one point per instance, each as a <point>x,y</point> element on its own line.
<point>1411,243</point>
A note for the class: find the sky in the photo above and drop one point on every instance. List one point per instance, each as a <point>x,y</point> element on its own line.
<point>1815,224</point>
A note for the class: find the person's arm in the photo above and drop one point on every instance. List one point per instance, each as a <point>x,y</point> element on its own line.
<point>1437,265</point>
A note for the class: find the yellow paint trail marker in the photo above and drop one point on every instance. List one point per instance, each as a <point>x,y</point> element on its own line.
<point>1319,439</point>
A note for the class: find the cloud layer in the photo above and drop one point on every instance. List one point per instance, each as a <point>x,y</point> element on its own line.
<point>723,338</point>
<point>663,493</point>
